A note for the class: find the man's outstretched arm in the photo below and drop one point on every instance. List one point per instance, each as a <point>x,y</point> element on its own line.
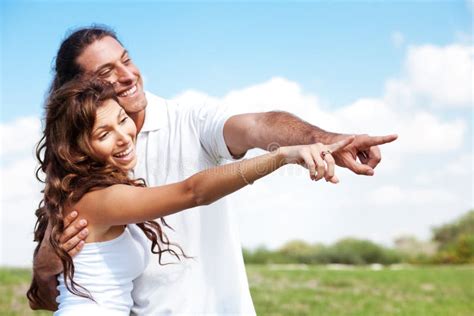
<point>270,130</point>
<point>46,264</point>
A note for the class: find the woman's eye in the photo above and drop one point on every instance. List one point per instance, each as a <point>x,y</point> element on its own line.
<point>127,61</point>
<point>124,120</point>
<point>103,135</point>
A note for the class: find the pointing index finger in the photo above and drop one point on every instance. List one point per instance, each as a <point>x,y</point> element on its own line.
<point>380,140</point>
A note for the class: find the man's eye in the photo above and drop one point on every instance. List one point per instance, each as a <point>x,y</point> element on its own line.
<point>127,61</point>
<point>104,73</point>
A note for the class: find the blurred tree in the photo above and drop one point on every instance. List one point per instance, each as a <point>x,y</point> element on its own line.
<point>414,250</point>
<point>301,252</point>
<point>456,240</point>
<point>447,234</point>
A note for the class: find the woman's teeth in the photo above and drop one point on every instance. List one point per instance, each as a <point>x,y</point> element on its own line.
<point>124,153</point>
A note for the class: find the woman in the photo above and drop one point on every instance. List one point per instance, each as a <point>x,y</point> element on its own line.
<point>87,149</point>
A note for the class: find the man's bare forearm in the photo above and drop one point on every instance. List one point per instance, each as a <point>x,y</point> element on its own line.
<point>286,129</point>
<point>270,130</point>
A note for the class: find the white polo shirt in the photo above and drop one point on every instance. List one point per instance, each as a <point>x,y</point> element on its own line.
<point>177,141</point>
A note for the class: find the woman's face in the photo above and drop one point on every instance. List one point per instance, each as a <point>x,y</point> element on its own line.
<point>113,136</point>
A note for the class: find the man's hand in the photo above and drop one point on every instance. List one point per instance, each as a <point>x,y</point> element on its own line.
<point>47,265</point>
<point>74,235</point>
<point>365,148</point>
<point>46,262</point>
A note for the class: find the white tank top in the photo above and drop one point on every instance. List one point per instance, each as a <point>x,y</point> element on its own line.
<point>106,269</point>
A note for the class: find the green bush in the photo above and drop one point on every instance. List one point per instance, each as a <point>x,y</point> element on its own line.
<point>456,241</point>
<point>346,251</point>
<point>356,251</point>
<point>461,251</point>
<point>452,243</point>
<point>448,234</point>
<point>262,255</point>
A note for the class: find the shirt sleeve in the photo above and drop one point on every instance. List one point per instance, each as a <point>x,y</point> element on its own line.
<point>209,120</point>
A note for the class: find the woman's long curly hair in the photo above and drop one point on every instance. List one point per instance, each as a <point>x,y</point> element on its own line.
<point>70,170</point>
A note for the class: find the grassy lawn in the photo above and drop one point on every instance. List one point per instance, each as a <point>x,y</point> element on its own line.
<point>315,290</point>
<point>318,291</point>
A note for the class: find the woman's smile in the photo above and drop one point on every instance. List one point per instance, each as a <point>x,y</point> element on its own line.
<point>113,136</point>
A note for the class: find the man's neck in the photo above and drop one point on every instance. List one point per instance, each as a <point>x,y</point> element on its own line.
<point>139,119</point>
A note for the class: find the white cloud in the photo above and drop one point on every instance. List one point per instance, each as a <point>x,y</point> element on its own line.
<point>20,191</point>
<point>425,133</point>
<point>439,76</point>
<point>394,195</point>
<point>444,74</point>
<point>460,167</point>
<point>19,137</point>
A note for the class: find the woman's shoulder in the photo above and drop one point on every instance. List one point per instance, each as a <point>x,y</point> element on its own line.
<point>96,199</point>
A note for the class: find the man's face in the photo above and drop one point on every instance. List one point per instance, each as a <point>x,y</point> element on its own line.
<point>107,59</point>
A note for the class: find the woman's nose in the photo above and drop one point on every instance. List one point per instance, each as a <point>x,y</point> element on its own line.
<point>122,138</point>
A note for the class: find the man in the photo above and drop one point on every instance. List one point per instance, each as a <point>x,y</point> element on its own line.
<point>175,142</point>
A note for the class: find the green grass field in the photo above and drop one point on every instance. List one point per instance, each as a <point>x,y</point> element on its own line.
<point>314,290</point>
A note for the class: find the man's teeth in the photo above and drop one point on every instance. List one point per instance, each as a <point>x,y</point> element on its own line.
<point>124,153</point>
<point>129,91</point>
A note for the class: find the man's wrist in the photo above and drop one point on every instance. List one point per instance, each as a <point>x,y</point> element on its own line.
<point>327,137</point>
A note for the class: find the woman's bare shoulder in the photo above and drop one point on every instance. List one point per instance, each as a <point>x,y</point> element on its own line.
<point>96,199</point>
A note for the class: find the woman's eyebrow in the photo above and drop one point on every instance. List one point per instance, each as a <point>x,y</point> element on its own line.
<point>105,125</point>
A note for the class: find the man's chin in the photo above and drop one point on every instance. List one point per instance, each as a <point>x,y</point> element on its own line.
<point>133,106</point>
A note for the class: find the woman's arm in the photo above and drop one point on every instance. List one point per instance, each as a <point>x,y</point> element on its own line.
<point>123,204</point>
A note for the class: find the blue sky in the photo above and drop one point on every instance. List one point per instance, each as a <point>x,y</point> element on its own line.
<point>348,66</point>
<point>340,51</point>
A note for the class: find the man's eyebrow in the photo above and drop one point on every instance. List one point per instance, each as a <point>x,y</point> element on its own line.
<point>125,53</point>
<point>104,126</point>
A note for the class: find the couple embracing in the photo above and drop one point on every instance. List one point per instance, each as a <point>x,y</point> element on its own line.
<point>132,220</point>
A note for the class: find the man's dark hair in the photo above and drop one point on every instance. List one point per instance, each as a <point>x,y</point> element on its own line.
<point>66,67</point>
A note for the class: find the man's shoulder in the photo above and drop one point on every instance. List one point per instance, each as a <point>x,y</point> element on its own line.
<point>154,99</point>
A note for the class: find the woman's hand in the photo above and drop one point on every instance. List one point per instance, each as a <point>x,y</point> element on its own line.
<point>317,158</point>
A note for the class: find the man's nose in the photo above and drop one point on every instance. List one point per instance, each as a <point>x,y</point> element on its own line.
<point>124,74</point>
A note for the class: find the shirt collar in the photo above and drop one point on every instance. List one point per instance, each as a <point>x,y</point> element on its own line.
<point>156,113</point>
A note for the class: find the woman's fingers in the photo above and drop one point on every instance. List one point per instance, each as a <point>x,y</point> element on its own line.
<point>309,162</point>
<point>330,167</point>
<point>334,180</point>
<point>320,165</point>
<point>318,158</point>
<point>341,144</point>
